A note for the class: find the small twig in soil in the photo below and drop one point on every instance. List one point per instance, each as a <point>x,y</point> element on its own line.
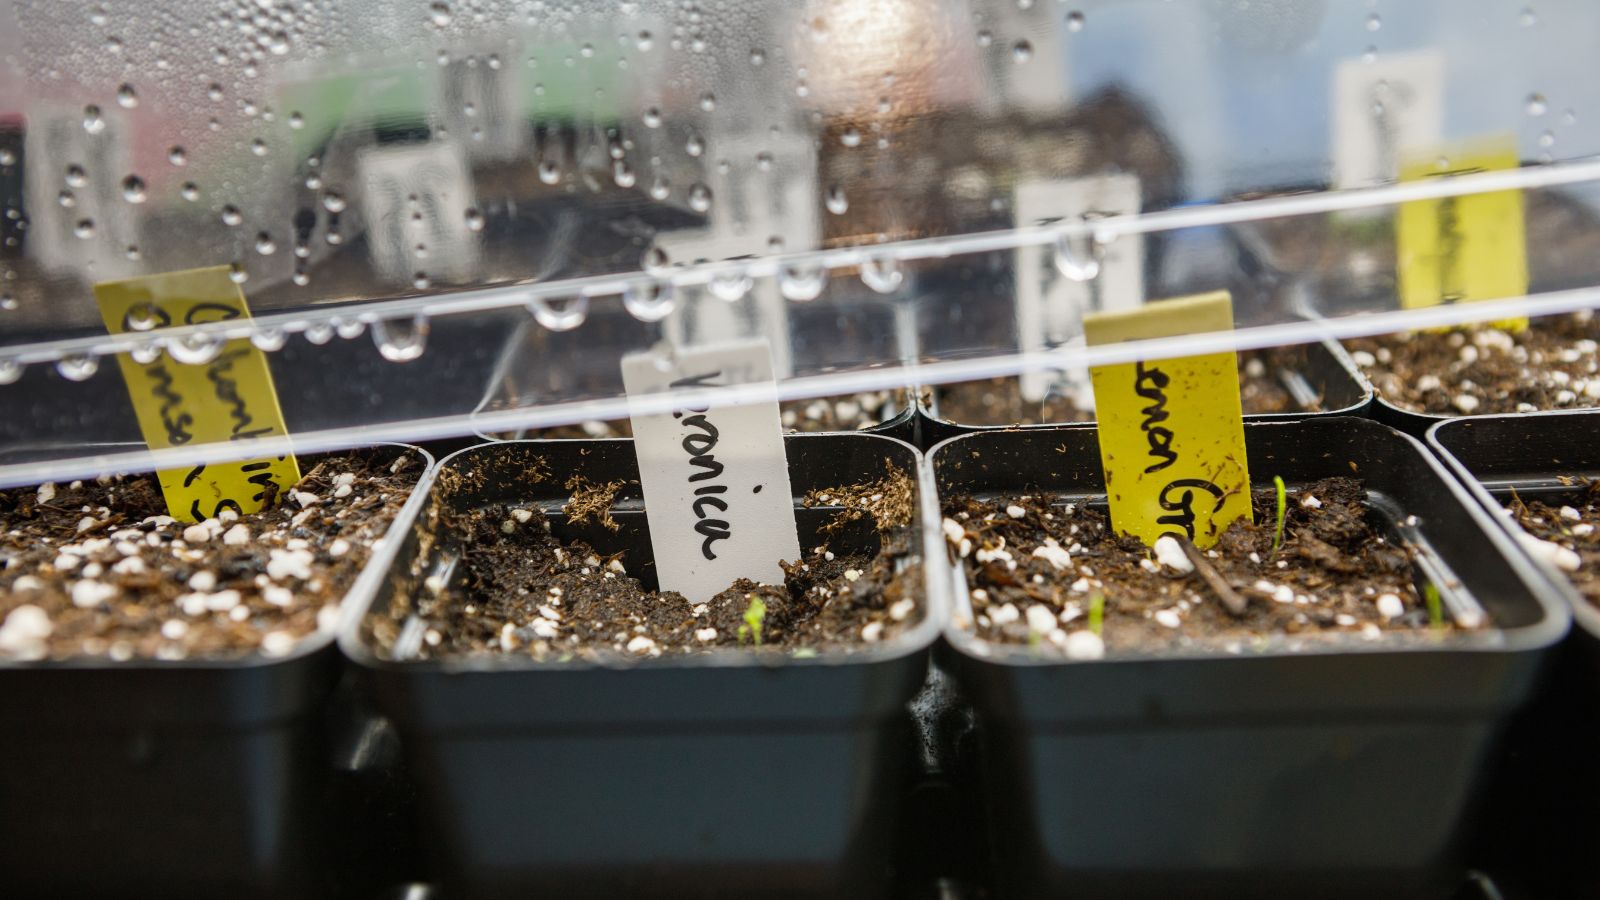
<point>1231,600</point>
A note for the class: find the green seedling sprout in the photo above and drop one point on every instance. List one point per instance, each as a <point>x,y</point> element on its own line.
<point>754,615</point>
<point>1097,611</point>
<point>1283,508</point>
<point>1430,592</point>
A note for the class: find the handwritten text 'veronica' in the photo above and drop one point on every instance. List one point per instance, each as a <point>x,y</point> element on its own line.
<point>698,443</point>
<point>1177,496</point>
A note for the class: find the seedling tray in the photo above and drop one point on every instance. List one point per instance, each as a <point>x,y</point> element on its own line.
<point>1547,785</point>
<point>1340,771</point>
<point>195,777</point>
<point>727,774</point>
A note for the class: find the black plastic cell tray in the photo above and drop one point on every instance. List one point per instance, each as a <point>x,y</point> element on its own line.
<point>1327,372</point>
<point>1318,773</point>
<point>191,778</point>
<point>1543,829</point>
<point>729,774</point>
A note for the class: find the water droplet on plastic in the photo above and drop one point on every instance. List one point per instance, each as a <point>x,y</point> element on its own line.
<point>195,349</point>
<point>76,177</point>
<point>758,57</point>
<point>258,147</point>
<point>265,245</point>
<point>84,229</point>
<point>836,201</point>
<point>1374,22</point>
<point>190,191</point>
<point>333,202</point>
<point>730,285</point>
<point>1075,21</point>
<point>1547,139</point>
<point>1527,18</point>
<point>67,199</point>
<point>645,41</point>
<point>143,317</point>
<point>559,315</point>
<point>655,261</point>
<point>622,174</point>
<point>93,122</point>
<point>802,281</point>
<point>127,97</point>
<point>10,371</point>
<point>231,216</point>
<point>177,156</point>
<point>1536,105</point>
<point>1021,52</point>
<point>660,188</point>
<point>146,352</point>
<point>882,274</point>
<point>474,219</point>
<point>133,189</point>
<point>694,146</point>
<point>1370,54</point>
<point>439,14</point>
<point>268,339</point>
<point>549,172</point>
<point>650,301</point>
<point>401,340</point>
<point>237,273</point>
<point>8,157</point>
<point>296,120</point>
<point>699,197</point>
<point>850,138</point>
<point>349,329</point>
<point>77,367</point>
<point>1078,257</point>
<point>652,118</point>
<point>319,333</point>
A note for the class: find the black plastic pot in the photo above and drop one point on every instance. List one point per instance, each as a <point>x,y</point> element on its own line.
<point>1327,373</point>
<point>728,774</point>
<point>188,778</point>
<point>1544,829</point>
<point>1329,772</point>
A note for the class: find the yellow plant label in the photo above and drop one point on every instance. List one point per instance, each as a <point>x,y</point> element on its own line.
<point>1171,430</point>
<point>227,398</point>
<point>1461,249</point>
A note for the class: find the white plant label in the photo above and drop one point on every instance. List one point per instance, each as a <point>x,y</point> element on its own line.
<point>713,469</point>
<point>1385,111</point>
<point>1050,306</point>
<point>414,196</point>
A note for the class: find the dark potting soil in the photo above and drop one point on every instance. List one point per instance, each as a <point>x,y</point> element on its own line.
<point>98,568</point>
<point>1485,369</point>
<point>1567,537</point>
<point>523,590</point>
<point>1037,568</point>
<point>852,412</point>
<point>999,401</point>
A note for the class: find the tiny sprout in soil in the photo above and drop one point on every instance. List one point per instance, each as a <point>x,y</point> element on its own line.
<point>754,615</point>
<point>1430,592</point>
<point>1097,611</point>
<point>1283,507</point>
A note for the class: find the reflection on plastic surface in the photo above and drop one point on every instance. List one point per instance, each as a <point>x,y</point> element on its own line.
<point>416,172</point>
